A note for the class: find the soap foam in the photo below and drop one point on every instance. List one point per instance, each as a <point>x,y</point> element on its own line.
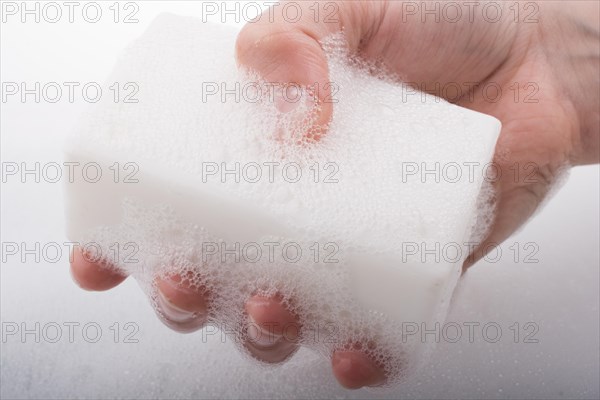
<point>362,214</point>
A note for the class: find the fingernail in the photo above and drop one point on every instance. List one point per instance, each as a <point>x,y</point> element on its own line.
<point>174,313</point>
<point>260,336</point>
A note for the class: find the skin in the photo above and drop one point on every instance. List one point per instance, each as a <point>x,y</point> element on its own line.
<point>559,53</point>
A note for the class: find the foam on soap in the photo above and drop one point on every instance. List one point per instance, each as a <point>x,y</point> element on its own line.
<point>345,200</point>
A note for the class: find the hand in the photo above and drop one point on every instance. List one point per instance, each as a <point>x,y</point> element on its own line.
<point>558,130</point>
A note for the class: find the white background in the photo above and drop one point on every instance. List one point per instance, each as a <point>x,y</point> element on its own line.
<point>560,293</point>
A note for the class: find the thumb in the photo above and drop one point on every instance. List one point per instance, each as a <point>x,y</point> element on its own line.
<point>283,46</point>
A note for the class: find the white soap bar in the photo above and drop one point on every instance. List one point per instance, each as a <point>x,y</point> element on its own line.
<point>377,236</point>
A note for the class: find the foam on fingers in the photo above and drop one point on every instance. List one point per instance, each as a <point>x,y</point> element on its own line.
<point>231,193</point>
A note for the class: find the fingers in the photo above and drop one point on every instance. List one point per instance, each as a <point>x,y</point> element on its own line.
<point>273,332</point>
<point>181,304</point>
<point>92,274</point>
<point>272,329</point>
<point>288,51</point>
<point>353,369</point>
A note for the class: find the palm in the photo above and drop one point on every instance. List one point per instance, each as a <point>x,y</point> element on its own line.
<point>537,120</point>
<point>533,145</point>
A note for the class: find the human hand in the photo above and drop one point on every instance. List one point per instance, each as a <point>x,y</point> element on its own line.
<point>553,132</point>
